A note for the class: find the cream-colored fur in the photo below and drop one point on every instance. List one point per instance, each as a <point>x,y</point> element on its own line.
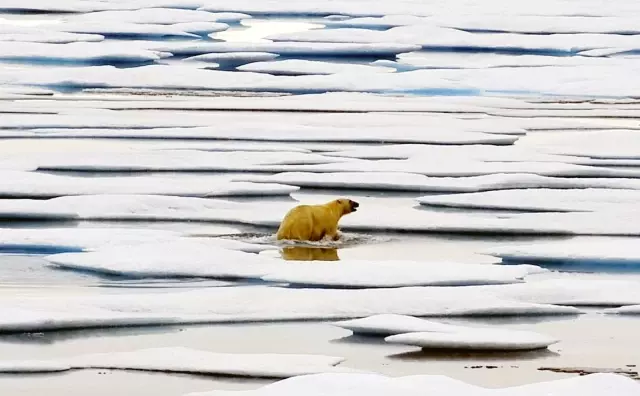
<point>315,222</point>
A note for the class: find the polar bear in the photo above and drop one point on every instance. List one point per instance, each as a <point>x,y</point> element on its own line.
<point>315,222</point>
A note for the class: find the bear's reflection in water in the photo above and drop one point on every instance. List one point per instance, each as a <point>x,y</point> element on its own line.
<point>303,253</point>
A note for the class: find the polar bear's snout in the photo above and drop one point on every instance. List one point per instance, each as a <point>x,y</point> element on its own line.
<point>354,205</point>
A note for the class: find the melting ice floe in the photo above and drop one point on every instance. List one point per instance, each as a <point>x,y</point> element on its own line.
<point>52,240</point>
<point>410,330</point>
<point>371,218</point>
<point>570,291</point>
<point>185,360</point>
<point>575,251</point>
<point>205,258</point>
<point>294,67</point>
<point>540,200</point>
<point>39,35</point>
<point>175,160</point>
<point>399,181</point>
<point>161,16</point>
<point>76,52</point>
<point>254,304</point>
<point>40,185</point>
<point>416,385</point>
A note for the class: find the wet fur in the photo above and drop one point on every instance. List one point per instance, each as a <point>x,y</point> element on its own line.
<point>315,222</point>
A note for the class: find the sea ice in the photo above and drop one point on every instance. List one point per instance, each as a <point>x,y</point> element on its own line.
<point>74,52</point>
<point>371,273</point>
<point>42,185</point>
<point>178,160</point>
<point>569,291</point>
<point>198,257</point>
<point>290,49</point>
<point>233,58</point>
<point>574,251</point>
<point>299,67</point>
<point>399,181</point>
<point>159,16</point>
<point>410,330</point>
<point>116,29</point>
<point>439,167</point>
<point>39,35</point>
<point>534,24</point>
<point>46,6</point>
<point>539,200</point>
<point>356,384</point>
<point>253,303</point>
<point>56,240</point>
<point>495,340</point>
<point>192,361</point>
<point>201,28</point>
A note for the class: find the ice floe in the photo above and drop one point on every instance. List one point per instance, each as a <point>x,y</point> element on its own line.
<point>434,37</point>
<point>67,126</point>
<point>391,324</point>
<point>371,273</point>
<point>579,251</point>
<point>476,339</point>
<point>178,160</point>
<point>38,35</point>
<point>533,24</point>
<point>206,257</point>
<point>290,49</point>
<point>409,330</point>
<point>298,67</point>
<point>232,59</point>
<point>45,6</point>
<point>455,167</point>
<point>253,303</point>
<point>56,240</point>
<point>42,185</point>
<point>370,218</point>
<point>627,310</point>
<point>570,291</point>
<point>540,200</point>
<point>191,361</point>
<point>160,16</point>
<point>117,29</point>
<point>613,144</point>
<point>201,28</point>
<point>75,52</point>
<point>399,181</point>
<point>353,384</point>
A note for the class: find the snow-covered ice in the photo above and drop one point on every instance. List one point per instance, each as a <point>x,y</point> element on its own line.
<point>160,16</point>
<point>39,35</point>
<point>234,58</point>
<point>177,160</point>
<point>191,361</point>
<point>575,251</point>
<point>493,340</point>
<point>75,52</point>
<point>571,292</point>
<point>54,240</point>
<point>290,48</point>
<point>399,181</point>
<point>370,217</point>
<point>206,258</point>
<point>391,273</point>
<point>296,67</point>
<point>409,330</point>
<point>254,303</point>
<point>416,385</point>
<point>540,200</point>
<point>42,185</point>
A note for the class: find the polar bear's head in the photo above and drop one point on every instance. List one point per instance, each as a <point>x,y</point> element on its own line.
<point>347,205</point>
